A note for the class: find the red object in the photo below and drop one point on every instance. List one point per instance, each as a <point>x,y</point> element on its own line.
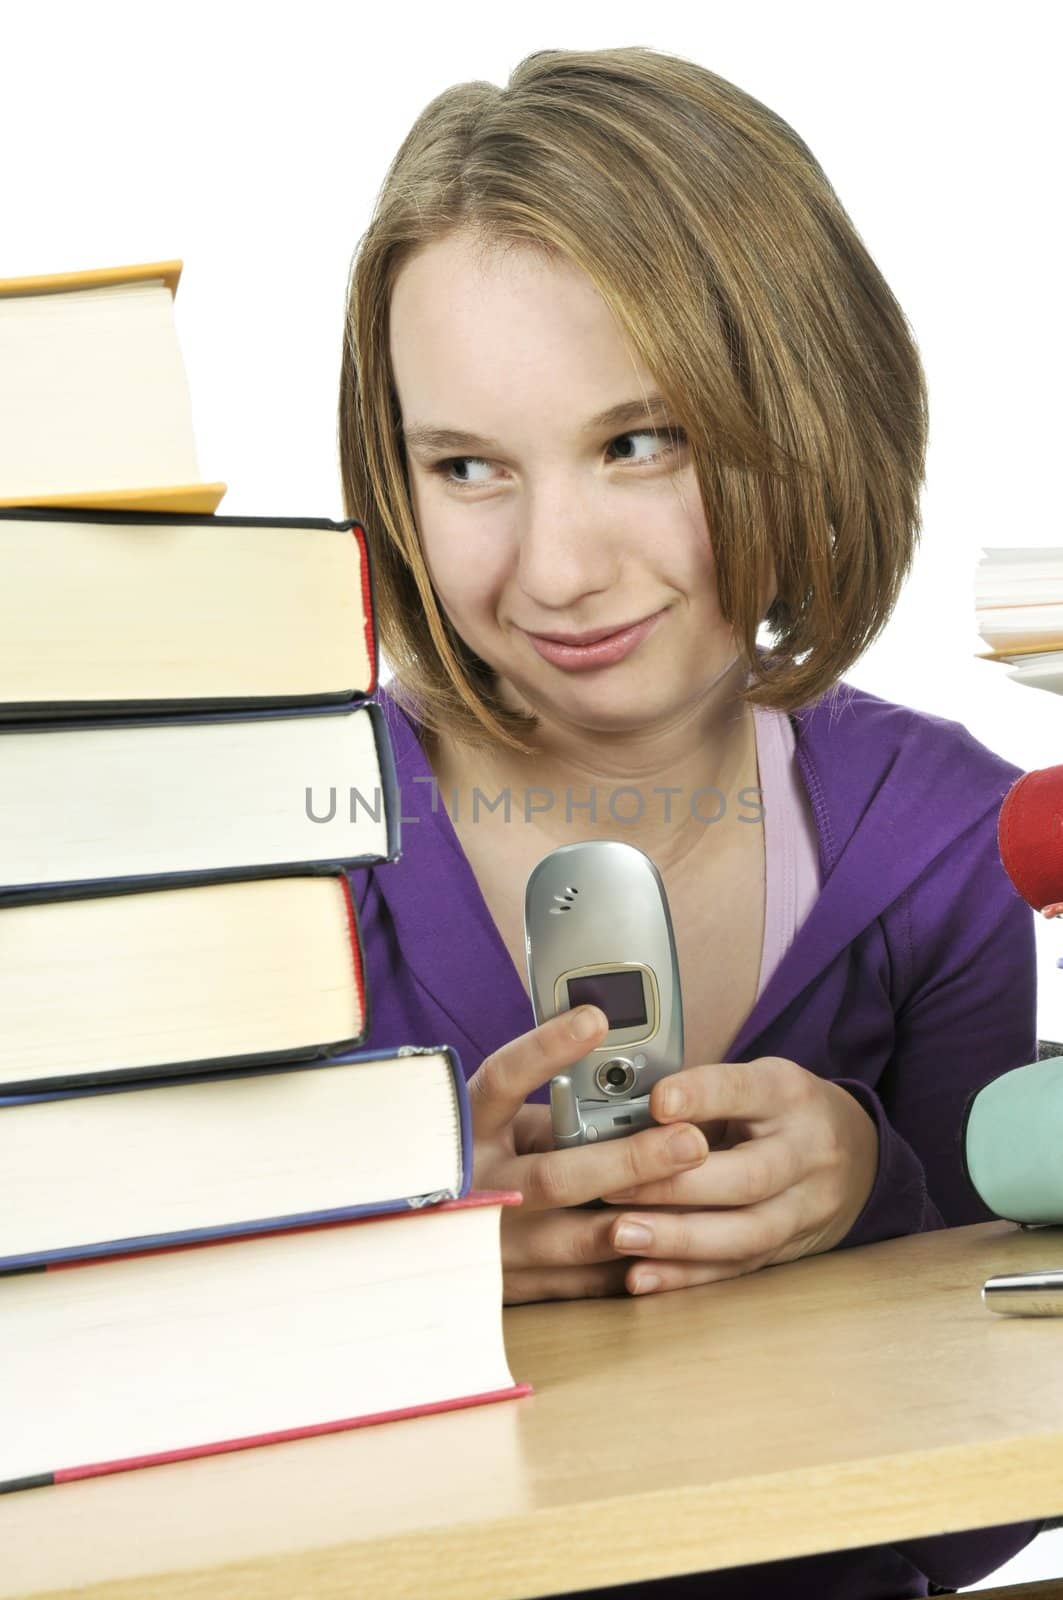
<point>1030,836</point>
<point>100,1469</point>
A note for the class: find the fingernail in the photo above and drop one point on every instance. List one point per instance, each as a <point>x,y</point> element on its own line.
<point>646,1283</point>
<point>585,1022</point>
<point>687,1146</point>
<point>633,1236</point>
<point>670,1101</point>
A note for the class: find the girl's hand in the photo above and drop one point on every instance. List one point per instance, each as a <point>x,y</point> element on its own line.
<point>549,1251</point>
<point>792,1160</point>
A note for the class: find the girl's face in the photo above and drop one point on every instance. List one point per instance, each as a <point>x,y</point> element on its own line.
<point>537,514</point>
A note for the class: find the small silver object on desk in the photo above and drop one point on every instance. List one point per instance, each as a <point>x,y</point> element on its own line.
<point>1025,1294</point>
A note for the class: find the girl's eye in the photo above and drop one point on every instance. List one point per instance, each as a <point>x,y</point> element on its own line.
<point>670,441</point>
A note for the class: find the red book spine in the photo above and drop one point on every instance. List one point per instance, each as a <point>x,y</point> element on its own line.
<point>217,1447</point>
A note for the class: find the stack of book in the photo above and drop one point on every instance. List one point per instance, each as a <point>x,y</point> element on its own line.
<point>220,1224</point>
<point>1019,613</point>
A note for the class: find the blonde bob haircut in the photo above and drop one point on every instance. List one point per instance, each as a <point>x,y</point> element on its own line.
<point>737,278</point>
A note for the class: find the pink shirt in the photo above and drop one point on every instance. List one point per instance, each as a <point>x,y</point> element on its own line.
<point>791,848</point>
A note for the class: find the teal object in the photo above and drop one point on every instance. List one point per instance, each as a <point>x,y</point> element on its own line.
<point>1014,1143</point>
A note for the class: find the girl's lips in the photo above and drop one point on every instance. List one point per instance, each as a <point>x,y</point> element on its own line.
<point>582,657</point>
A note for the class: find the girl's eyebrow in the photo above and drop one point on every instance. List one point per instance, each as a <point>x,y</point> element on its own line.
<point>427,437</point>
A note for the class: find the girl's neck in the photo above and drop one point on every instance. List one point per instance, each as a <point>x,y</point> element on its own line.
<point>690,786</point>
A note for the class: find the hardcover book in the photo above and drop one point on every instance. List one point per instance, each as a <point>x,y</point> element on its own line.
<point>94,805</point>
<point>104,611</point>
<point>121,1362</point>
<point>94,401</point>
<point>145,982</point>
<point>109,1170</point>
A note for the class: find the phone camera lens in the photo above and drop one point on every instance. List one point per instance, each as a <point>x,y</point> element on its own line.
<point>616,1076</point>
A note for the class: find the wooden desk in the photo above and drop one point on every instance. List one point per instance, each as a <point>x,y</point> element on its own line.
<point>839,1401</point>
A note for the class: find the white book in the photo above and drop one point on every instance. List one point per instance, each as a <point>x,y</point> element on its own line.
<point>1018,596</point>
<point>235,796</point>
<point>94,397</point>
<point>130,1361</point>
<point>111,1169</point>
<point>144,982</point>
<point>111,609</point>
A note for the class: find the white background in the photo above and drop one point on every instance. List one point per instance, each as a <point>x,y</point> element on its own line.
<point>250,140</point>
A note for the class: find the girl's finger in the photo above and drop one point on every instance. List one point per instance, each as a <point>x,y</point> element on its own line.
<point>749,1091</point>
<point>753,1235</point>
<point>658,1277</point>
<point>532,1130</point>
<point>571,1177</point>
<point>505,1079</point>
<point>553,1239</point>
<point>566,1283</point>
<point>742,1176</point>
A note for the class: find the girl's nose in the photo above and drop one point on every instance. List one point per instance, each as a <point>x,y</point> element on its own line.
<point>567,550</point>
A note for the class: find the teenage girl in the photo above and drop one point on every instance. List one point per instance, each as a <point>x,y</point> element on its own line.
<point>622,389</point>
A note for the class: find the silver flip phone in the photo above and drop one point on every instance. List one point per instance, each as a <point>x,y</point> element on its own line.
<point>597,931</point>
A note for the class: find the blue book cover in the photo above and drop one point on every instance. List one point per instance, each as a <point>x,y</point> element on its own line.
<point>16,1106</point>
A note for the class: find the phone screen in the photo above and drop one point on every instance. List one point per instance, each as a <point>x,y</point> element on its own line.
<point>619,994</point>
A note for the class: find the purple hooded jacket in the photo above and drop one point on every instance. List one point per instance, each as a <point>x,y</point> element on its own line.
<point>912,982</point>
